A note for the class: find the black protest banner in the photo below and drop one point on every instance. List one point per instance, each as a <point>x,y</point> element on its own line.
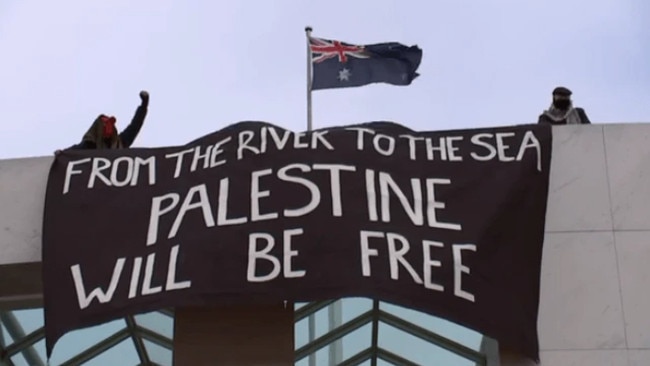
<point>450,223</point>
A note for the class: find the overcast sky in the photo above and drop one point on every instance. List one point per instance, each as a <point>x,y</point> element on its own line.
<point>209,63</point>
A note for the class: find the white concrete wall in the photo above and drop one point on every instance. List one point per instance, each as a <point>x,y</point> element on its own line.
<point>595,291</point>
<point>22,197</point>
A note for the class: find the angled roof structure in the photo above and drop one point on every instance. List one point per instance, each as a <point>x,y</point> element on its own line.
<point>347,332</point>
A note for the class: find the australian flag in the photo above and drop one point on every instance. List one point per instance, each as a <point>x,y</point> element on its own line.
<point>340,65</point>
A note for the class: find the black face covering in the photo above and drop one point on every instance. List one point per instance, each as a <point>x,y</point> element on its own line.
<point>561,103</point>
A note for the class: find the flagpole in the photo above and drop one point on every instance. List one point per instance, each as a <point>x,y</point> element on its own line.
<point>312,317</point>
<point>308,30</point>
<point>334,310</point>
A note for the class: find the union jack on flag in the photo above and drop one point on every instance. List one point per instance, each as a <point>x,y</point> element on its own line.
<point>337,64</point>
<point>323,49</point>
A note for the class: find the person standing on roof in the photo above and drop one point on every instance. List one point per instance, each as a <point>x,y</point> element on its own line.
<point>103,134</point>
<point>562,111</point>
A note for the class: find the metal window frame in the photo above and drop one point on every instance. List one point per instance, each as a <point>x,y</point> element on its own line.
<point>376,316</point>
<point>336,330</point>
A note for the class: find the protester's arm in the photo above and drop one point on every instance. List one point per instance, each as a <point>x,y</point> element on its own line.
<point>133,129</point>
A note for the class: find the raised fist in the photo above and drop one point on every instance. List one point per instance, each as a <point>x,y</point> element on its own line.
<point>144,96</point>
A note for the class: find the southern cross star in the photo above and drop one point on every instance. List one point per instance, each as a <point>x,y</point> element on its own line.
<point>344,75</point>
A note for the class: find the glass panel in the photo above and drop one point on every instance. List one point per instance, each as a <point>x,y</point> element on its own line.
<point>350,308</point>
<point>322,323</point>
<point>353,307</point>
<point>357,341</point>
<point>39,347</point>
<point>123,353</point>
<point>9,328</point>
<point>353,343</point>
<point>78,341</point>
<point>19,360</point>
<point>447,329</point>
<point>381,362</point>
<point>158,354</point>
<point>37,353</point>
<point>322,358</point>
<point>157,322</point>
<point>30,319</point>
<point>298,305</point>
<point>417,350</point>
<point>301,333</point>
<point>4,335</point>
<point>303,362</point>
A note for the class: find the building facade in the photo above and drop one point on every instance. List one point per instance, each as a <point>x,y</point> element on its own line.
<point>595,288</point>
